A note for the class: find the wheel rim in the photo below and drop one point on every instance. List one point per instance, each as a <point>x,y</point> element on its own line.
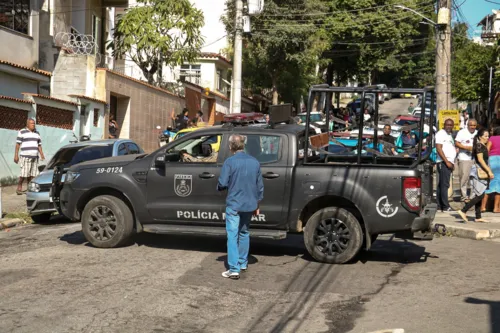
<point>102,223</point>
<point>332,236</point>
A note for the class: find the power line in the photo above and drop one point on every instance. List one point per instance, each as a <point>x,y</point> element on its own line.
<point>328,13</point>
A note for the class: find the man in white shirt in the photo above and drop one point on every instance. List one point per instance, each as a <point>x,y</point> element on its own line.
<point>445,163</point>
<point>463,141</point>
<point>29,144</point>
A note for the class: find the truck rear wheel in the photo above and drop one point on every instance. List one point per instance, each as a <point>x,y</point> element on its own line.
<point>107,222</point>
<point>333,235</point>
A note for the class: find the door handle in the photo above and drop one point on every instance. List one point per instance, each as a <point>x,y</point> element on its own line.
<point>207,175</point>
<point>270,175</point>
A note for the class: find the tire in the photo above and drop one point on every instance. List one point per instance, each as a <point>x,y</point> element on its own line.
<point>333,249</point>
<point>42,218</point>
<point>107,222</point>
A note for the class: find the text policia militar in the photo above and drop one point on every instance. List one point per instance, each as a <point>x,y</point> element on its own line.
<point>201,215</point>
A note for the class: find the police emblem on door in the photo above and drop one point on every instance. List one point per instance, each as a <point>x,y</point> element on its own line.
<point>183,184</point>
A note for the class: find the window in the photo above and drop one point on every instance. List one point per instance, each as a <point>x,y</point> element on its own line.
<point>314,117</point>
<point>96,117</point>
<point>67,157</point>
<point>219,83</point>
<point>122,150</point>
<point>191,73</point>
<point>200,149</point>
<point>15,15</point>
<point>265,148</point>
<point>133,148</point>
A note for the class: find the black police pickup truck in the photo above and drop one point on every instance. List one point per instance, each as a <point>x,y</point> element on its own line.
<point>340,194</point>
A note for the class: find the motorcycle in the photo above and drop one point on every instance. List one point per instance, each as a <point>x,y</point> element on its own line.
<point>166,136</point>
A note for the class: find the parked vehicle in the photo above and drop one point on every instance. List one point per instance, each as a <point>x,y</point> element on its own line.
<point>38,200</point>
<point>340,200</point>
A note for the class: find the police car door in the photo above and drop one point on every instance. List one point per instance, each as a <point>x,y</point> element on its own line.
<point>268,149</point>
<point>187,190</point>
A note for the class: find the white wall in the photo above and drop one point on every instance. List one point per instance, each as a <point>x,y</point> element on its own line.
<point>208,75</point>
<point>13,86</point>
<point>19,48</point>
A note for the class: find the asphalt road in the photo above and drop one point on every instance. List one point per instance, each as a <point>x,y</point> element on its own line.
<point>396,106</point>
<point>53,281</point>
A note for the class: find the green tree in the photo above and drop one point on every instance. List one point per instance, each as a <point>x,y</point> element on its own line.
<point>284,47</point>
<point>470,71</point>
<point>372,37</point>
<point>158,33</point>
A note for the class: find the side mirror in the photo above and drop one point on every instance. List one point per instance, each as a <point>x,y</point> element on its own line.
<point>160,160</point>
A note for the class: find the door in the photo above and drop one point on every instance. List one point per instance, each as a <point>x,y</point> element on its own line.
<point>268,150</point>
<point>186,190</point>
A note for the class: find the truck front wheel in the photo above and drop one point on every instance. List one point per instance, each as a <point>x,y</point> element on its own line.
<point>107,222</point>
<point>333,235</point>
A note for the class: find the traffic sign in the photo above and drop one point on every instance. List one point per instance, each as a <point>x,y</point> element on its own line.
<point>449,114</point>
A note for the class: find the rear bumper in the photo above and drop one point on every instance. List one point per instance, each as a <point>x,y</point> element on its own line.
<point>423,222</point>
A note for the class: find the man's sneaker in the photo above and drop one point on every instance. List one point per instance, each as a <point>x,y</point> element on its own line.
<point>448,210</point>
<point>231,275</point>
<point>244,269</point>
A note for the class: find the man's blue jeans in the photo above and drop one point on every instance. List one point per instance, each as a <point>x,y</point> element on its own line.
<point>238,238</point>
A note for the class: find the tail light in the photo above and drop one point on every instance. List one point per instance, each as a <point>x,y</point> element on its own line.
<point>411,192</point>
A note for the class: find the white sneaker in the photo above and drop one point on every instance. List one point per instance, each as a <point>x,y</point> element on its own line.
<point>231,275</point>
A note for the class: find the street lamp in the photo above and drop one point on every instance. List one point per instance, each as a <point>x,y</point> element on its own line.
<point>419,14</point>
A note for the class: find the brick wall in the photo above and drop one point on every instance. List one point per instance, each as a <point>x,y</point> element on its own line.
<point>54,117</point>
<point>147,106</point>
<point>13,119</point>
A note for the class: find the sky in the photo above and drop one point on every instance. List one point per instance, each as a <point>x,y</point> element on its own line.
<point>475,10</point>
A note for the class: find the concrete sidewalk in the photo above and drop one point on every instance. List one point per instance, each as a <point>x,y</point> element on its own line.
<point>452,224</point>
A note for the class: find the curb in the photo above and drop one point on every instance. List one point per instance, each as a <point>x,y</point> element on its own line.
<point>10,223</point>
<point>465,232</point>
<point>393,330</point>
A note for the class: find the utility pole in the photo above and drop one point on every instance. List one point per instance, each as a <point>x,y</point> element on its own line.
<point>443,56</point>
<point>237,66</point>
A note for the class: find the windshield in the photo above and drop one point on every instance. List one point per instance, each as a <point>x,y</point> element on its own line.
<point>67,157</point>
<point>313,118</point>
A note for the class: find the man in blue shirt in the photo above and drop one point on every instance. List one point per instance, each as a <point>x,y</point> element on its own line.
<point>242,178</point>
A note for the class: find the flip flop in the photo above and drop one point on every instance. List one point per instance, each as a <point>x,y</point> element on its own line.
<point>19,192</point>
<point>463,216</point>
<point>481,221</point>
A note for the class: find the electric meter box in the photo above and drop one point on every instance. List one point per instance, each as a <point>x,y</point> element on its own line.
<point>443,16</point>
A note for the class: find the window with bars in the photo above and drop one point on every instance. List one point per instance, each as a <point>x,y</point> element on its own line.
<point>191,73</point>
<point>15,15</point>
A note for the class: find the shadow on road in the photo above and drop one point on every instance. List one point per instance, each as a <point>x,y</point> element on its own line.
<point>494,311</point>
<point>57,219</point>
<point>395,251</point>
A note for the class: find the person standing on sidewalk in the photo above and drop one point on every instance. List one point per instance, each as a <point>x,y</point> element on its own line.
<point>479,186</point>
<point>494,160</point>
<point>445,163</point>
<point>463,141</point>
<point>30,144</point>
<point>242,178</point>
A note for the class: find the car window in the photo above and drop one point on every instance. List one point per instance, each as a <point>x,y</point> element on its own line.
<point>66,157</point>
<point>122,150</point>
<point>199,149</point>
<point>265,148</point>
<point>313,118</point>
<point>133,148</point>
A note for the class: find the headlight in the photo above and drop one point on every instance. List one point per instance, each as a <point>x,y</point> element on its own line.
<point>33,187</point>
<point>71,177</point>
